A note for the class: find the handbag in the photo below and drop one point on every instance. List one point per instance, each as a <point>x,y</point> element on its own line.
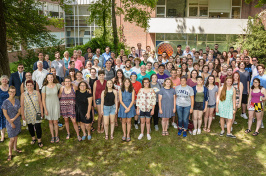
<point>38,115</point>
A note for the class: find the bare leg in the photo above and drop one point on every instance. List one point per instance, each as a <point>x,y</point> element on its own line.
<point>99,118</point>
<point>11,145</point>
<point>142,121</point>
<point>200,113</point>
<point>250,118</point>
<point>229,125</point>
<point>163,125</point>
<point>67,125</point>
<point>211,110</point>
<point>195,119</point>
<point>88,127</point>
<point>128,127</point>
<point>106,124</point>
<point>75,125</point>
<point>3,134</point>
<point>82,125</point>
<point>148,124</point>
<point>112,121</point>
<point>124,128</point>
<point>222,123</point>
<point>56,127</point>
<point>244,107</point>
<point>259,120</point>
<point>206,117</point>
<point>51,126</point>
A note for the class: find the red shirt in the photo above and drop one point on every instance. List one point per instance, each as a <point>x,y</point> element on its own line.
<point>137,87</point>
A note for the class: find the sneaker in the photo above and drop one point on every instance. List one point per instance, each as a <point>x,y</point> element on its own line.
<point>235,122</point>
<point>262,126</point>
<point>194,131</point>
<point>244,116</point>
<point>222,133</point>
<point>230,135</point>
<point>139,121</point>
<point>156,128</point>
<point>179,132</point>
<point>174,125</point>
<point>89,137</point>
<point>190,132</point>
<point>140,137</point>
<point>225,126</point>
<point>136,127</point>
<point>199,131</point>
<point>185,134</point>
<point>148,136</point>
<point>213,118</point>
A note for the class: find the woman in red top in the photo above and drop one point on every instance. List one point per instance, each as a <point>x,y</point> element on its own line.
<point>137,86</point>
<point>98,87</point>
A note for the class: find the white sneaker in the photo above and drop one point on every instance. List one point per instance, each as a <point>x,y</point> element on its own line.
<point>136,126</point>
<point>140,137</point>
<point>235,122</point>
<point>225,126</point>
<point>156,128</point>
<point>190,132</point>
<point>231,128</point>
<point>174,125</point>
<point>244,116</point>
<point>138,121</point>
<point>262,126</point>
<point>199,131</point>
<point>148,136</point>
<point>194,131</point>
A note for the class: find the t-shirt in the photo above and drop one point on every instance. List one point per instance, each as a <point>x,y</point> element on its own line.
<point>78,64</point>
<point>59,67</point>
<point>167,73</point>
<point>212,95</point>
<point>156,89</point>
<point>127,73</point>
<point>44,63</point>
<point>161,78</point>
<point>190,69</point>
<point>86,73</point>
<point>143,63</point>
<point>109,74</point>
<point>183,95</point>
<point>176,82</point>
<point>137,70</point>
<point>262,80</point>
<point>140,77</point>
<point>137,87</point>
<point>150,72</point>
<point>244,78</point>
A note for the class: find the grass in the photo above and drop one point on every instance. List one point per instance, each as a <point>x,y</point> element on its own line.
<point>205,154</point>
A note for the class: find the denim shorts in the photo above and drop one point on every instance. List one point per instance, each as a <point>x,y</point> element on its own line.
<point>109,110</point>
<point>212,106</point>
<point>145,114</point>
<point>98,101</point>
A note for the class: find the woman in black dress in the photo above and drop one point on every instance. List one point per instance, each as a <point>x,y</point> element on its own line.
<point>83,108</point>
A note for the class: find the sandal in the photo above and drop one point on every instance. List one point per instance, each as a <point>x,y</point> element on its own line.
<point>79,128</point>
<point>33,141</point>
<point>247,131</point>
<point>79,138</point>
<point>123,138</point>
<point>112,137</point>
<point>204,129</point>
<point>208,130</point>
<point>68,136</point>
<point>9,158</point>
<point>128,139</point>
<point>92,129</point>
<point>166,133</point>
<point>40,144</point>
<point>256,133</point>
<point>19,151</point>
<point>163,133</point>
<point>57,139</point>
<point>52,140</point>
<point>106,137</point>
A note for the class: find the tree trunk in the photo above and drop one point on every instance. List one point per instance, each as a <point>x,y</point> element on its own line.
<point>104,21</point>
<point>114,28</point>
<point>4,62</point>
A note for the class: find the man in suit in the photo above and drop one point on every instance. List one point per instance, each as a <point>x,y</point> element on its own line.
<point>17,78</point>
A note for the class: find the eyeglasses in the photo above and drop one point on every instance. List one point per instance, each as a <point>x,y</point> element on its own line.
<point>12,91</point>
<point>254,60</point>
<point>146,82</point>
<point>21,67</point>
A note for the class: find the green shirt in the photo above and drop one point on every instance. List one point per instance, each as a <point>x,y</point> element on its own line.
<point>142,63</point>
<point>150,72</point>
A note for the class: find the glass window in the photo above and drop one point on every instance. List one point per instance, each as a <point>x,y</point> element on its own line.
<point>210,37</point>
<point>192,44</point>
<point>83,10</point>
<point>54,14</point>
<point>161,2</point>
<point>203,11</point>
<point>203,2</point>
<point>174,10</point>
<point>83,21</point>
<point>159,36</point>
<point>201,45</point>
<point>69,21</point>
<point>193,11</point>
<point>218,15</point>
<point>236,2</point>
<point>220,37</point>
<point>160,11</point>
<point>202,37</point>
<point>182,36</point>
<point>236,12</point>
<point>171,37</point>
<point>192,37</point>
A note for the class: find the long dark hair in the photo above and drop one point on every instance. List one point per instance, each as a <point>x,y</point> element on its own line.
<point>45,82</point>
<point>87,86</point>
<point>106,88</point>
<point>256,79</point>
<point>207,82</point>
<point>116,77</point>
<point>72,70</point>
<point>130,88</point>
<point>218,67</point>
<point>182,68</point>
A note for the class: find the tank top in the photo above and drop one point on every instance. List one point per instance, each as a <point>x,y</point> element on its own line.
<point>255,97</point>
<point>91,82</point>
<point>199,97</point>
<point>222,78</point>
<point>99,88</point>
<point>109,99</point>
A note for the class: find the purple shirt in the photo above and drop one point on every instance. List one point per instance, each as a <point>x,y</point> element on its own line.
<point>161,78</point>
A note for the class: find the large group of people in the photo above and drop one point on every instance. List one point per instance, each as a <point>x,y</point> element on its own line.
<point>186,90</point>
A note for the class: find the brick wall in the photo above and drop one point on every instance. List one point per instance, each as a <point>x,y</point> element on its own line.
<point>250,10</point>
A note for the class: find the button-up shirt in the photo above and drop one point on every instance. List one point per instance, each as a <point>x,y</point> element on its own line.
<point>39,76</point>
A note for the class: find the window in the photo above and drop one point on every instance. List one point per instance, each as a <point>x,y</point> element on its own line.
<point>220,9</point>
<point>171,8</point>
<point>236,9</point>
<point>198,8</point>
<point>160,11</point>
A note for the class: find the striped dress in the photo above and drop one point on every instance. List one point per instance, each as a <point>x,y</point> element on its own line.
<point>67,104</point>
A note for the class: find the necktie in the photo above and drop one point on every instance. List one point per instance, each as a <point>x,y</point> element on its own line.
<point>20,76</point>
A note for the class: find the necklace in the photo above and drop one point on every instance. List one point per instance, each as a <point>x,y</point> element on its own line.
<point>4,88</point>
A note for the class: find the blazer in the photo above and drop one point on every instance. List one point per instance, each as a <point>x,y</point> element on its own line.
<point>15,81</point>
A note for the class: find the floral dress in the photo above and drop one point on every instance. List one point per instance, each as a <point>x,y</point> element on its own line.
<point>226,107</point>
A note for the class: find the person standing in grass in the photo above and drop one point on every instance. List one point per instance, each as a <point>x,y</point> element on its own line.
<point>98,87</point>
<point>212,92</point>
<point>200,106</point>
<point>51,105</point>
<point>167,104</point>
<point>109,107</point>
<point>184,105</point>
<point>146,101</point>
<point>156,88</point>
<point>11,111</point>
<point>67,106</point>
<point>239,89</point>
<point>137,86</point>
<point>83,108</point>
<point>126,110</point>
<point>31,104</point>
<point>226,106</point>
<point>3,96</point>
<point>257,95</point>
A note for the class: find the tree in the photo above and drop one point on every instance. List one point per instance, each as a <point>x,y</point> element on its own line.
<point>138,11</point>
<point>21,24</point>
<point>259,4</point>
<point>255,39</point>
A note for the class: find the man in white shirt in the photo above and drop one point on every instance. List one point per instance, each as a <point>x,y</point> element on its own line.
<point>139,50</point>
<point>40,74</point>
<point>187,51</point>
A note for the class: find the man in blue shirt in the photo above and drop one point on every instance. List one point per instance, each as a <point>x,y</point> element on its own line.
<point>44,63</point>
<point>106,55</point>
<point>99,57</point>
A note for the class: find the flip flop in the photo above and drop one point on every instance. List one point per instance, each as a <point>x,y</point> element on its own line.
<point>9,158</point>
<point>40,144</point>
<point>123,138</point>
<point>128,139</point>
<point>19,151</point>
<point>33,141</point>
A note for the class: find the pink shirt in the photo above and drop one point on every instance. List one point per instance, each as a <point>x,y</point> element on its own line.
<point>78,64</point>
<point>176,82</point>
<point>82,59</point>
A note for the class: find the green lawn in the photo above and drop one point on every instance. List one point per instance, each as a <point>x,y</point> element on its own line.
<point>205,154</point>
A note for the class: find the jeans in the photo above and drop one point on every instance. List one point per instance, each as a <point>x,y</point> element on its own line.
<point>183,114</point>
